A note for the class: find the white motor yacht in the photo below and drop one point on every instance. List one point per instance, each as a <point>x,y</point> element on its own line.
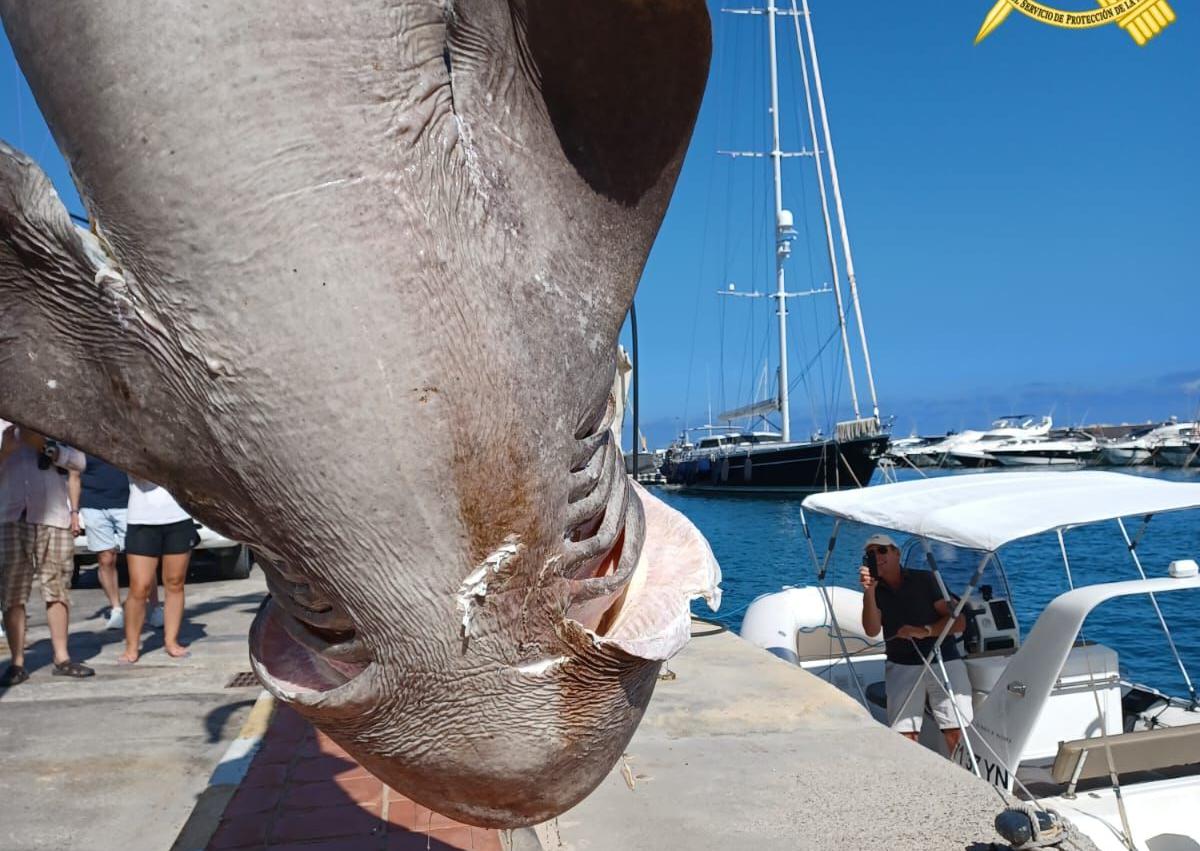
<point>937,453</point>
<point>978,453</point>
<point>1054,721</point>
<point>1066,449</point>
<point>1139,448</point>
<point>1182,450</point>
<point>910,451</point>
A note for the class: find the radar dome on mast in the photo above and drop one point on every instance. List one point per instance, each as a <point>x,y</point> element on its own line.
<point>785,224</point>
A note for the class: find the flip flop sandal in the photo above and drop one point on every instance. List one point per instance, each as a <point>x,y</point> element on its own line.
<point>72,669</point>
<point>14,676</point>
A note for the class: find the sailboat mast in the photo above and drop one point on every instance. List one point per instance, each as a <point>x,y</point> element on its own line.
<point>833,262</point>
<point>837,199</point>
<point>783,227</point>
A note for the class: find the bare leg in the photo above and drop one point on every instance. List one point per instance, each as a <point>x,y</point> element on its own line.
<point>14,630</point>
<point>953,736</point>
<point>141,580</point>
<point>174,574</point>
<point>106,571</point>
<point>912,737</point>
<point>58,615</point>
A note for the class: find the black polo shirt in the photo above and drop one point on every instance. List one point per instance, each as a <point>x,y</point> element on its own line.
<point>911,604</point>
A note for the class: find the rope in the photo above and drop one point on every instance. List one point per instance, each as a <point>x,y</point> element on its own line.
<point>1059,830</point>
<point>1060,833</point>
<point>1064,831</point>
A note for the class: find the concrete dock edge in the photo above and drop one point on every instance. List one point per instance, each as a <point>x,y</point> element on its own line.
<point>211,803</point>
<point>740,749</point>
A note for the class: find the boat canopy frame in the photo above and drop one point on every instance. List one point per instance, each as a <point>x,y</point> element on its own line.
<point>954,510</point>
<point>985,512</point>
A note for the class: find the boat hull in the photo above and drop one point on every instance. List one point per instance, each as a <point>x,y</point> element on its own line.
<point>972,461</point>
<point>1125,456</point>
<point>916,459</point>
<point>1177,456</point>
<point>1056,458</point>
<point>782,468</point>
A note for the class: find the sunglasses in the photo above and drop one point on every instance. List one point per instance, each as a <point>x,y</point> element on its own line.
<point>879,550</point>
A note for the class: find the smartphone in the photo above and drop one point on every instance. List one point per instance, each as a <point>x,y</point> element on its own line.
<point>871,564</point>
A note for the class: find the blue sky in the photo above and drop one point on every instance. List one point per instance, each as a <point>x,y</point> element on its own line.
<point>1023,213</point>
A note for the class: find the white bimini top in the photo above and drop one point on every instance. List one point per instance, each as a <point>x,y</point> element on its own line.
<point>984,511</point>
<point>151,505</point>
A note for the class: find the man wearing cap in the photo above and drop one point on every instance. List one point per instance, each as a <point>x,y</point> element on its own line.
<point>911,610</point>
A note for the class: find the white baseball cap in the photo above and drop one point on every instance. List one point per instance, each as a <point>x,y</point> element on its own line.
<point>881,541</point>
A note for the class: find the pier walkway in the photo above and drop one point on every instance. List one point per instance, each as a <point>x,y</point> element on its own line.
<point>742,750</point>
<point>738,749</point>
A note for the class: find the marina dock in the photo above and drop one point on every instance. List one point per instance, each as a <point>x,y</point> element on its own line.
<point>740,749</point>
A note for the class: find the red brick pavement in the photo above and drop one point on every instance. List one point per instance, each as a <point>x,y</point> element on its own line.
<point>303,791</point>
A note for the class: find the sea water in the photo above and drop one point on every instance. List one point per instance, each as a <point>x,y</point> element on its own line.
<point>761,546</point>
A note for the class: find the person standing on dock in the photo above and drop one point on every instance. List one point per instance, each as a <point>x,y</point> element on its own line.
<point>159,529</point>
<point>102,507</point>
<point>104,510</point>
<point>39,490</point>
<point>910,609</point>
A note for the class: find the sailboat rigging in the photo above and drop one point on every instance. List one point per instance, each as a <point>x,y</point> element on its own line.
<point>749,460</point>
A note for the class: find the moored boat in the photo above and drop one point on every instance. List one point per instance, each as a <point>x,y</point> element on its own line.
<point>1136,449</point>
<point>1182,452</point>
<point>1054,720</point>
<point>762,463</point>
<point>977,452</point>
<point>912,451</point>
<point>756,458</point>
<point>1066,449</point>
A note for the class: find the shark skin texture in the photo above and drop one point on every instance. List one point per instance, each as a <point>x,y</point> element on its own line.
<point>351,291</point>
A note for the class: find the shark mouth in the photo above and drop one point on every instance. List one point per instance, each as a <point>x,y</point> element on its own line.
<point>651,616</point>
<point>302,646</point>
<point>633,563</point>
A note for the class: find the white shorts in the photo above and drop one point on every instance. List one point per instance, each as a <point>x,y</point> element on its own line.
<point>899,681</point>
<point>105,528</point>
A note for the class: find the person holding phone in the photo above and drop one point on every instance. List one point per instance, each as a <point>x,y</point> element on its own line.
<point>911,610</point>
<point>39,500</point>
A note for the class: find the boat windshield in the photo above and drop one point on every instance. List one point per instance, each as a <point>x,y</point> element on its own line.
<point>956,566</point>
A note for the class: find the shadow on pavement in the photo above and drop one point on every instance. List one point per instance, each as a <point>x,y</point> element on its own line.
<point>215,721</point>
<point>88,644</point>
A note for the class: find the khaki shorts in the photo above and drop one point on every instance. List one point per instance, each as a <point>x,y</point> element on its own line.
<point>899,681</point>
<point>27,550</point>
